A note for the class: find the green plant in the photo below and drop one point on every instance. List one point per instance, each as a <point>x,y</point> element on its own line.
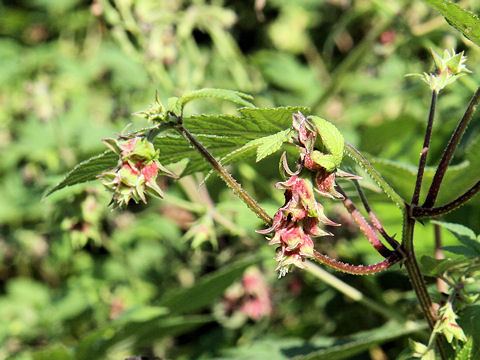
<point>321,148</point>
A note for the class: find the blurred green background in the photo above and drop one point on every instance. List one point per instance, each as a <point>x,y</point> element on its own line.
<point>80,281</point>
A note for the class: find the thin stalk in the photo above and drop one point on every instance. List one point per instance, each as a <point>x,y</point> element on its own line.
<point>357,269</point>
<point>363,225</point>
<point>442,286</point>
<point>420,212</point>
<point>351,292</point>
<point>450,150</point>
<point>225,175</point>
<point>424,153</point>
<point>373,218</point>
<point>387,189</point>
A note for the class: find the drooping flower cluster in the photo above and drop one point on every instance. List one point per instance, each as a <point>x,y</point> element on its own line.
<point>302,217</point>
<point>136,172</point>
<point>249,299</point>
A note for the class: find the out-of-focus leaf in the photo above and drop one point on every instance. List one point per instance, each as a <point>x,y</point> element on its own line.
<point>97,344</point>
<point>465,235</point>
<point>322,348</point>
<point>465,352</point>
<point>436,267</point>
<point>206,290</point>
<point>463,20</point>
<point>57,352</point>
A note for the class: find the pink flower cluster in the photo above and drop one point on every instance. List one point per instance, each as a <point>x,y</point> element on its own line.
<point>295,223</point>
<point>251,298</point>
<point>302,217</point>
<point>136,172</point>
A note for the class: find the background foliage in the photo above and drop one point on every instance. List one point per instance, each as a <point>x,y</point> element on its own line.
<point>79,281</point>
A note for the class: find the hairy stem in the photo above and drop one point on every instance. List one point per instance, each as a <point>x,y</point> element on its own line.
<point>420,212</point>
<point>373,218</point>
<point>450,150</point>
<point>424,153</point>
<point>363,225</point>
<point>356,269</point>
<point>387,189</point>
<point>416,277</point>
<point>225,175</point>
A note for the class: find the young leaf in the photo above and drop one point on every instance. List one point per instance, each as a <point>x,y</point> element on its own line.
<point>236,97</point>
<point>267,145</point>
<point>464,21</point>
<point>331,138</point>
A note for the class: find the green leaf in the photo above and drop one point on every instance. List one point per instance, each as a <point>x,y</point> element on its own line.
<point>225,136</point>
<point>57,352</point>
<point>465,352</point>
<point>331,138</point>
<point>267,145</point>
<point>322,347</point>
<point>206,290</point>
<point>437,267</point>
<point>86,171</point>
<point>465,235</point>
<point>236,97</point>
<point>457,229</point>
<point>97,344</point>
<point>464,21</point>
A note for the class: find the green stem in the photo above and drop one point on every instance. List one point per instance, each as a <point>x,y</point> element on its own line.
<point>450,150</point>
<point>351,292</point>
<point>363,162</point>
<point>225,175</point>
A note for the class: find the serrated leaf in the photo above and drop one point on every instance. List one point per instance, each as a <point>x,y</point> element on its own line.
<point>463,20</point>
<point>465,235</point>
<point>465,353</point>
<point>267,145</point>
<point>457,229</point>
<point>331,138</point>
<point>223,135</point>
<point>86,171</point>
<point>236,97</point>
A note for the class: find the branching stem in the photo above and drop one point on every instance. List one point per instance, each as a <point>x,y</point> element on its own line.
<point>420,212</point>
<point>450,150</point>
